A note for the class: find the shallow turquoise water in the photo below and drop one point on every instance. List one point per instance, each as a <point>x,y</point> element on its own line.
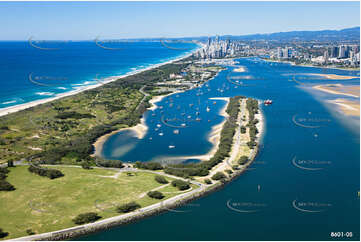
<point>303,184</point>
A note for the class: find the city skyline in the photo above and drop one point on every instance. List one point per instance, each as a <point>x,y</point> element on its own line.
<point>113,20</point>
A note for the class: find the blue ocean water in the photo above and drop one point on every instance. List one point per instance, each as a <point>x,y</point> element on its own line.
<point>303,184</point>
<point>36,70</point>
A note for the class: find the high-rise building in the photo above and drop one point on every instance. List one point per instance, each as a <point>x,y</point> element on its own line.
<point>334,51</point>
<point>279,53</point>
<point>342,51</point>
<point>325,56</point>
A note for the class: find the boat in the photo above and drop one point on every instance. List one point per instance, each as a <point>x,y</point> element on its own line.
<point>189,116</point>
<point>171,146</point>
<point>161,134</point>
<point>183,124</point>
<point>176,131</point>
<point>159,125</point>
<point>208,109</point>
<point>198,119</point>
<point>268,102</point>
<point>214,103</point>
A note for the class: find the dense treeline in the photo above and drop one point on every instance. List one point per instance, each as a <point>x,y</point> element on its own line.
<point>73,114</point>
<point>252,107</point>
<point>148,165</point>
<point>5,185</point>
<point>85,218</point>
<point>41,171</point>
<point>108,163</point>
<point>228,131</point>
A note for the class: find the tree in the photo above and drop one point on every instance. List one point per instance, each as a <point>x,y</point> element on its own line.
<point>243,129</point>
<point>6,186</point>
<point>86,218</point>
<point>161,179</point>
<point>208,181</point>
<point>10,163</point>
<point>86,165</point>
<point>30,232</point>
<point>155,194</point>
<point>243,160</point>
<point>128,207</point>
<point>3,234</point>
<point>180,184</point>
<point>229,171</point>
<point>218,176</point>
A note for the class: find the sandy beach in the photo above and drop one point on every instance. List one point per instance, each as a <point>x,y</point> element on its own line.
<point>16,108</point>
<point>348,107</point>
<point>334,76</point>
<point>214,136</point>
<point>139,130</point>
<point>339,89</point>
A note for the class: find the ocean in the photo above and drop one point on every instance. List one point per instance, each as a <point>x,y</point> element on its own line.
<point>303,184</point>
<point>34,70</point>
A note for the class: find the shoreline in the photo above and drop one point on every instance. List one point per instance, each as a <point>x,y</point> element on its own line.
<point>309,65</point>
<point>154,209</point>
<point>214,136</point>
<point>23,106</point>
<point>140,129</point>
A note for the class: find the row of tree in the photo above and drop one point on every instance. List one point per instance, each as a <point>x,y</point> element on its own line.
<point>41,171</point>
<point>252,107</point>
<point>5,185</point>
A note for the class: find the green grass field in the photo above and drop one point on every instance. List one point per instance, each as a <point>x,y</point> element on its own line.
<point>45,205</point>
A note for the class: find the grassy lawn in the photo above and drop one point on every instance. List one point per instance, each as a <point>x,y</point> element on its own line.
<point>44,205</point>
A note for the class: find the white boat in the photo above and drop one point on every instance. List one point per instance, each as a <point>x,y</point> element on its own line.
<point>183,124</point>
<point>161,134</point>
<point>208,109</point>
<point>171,146</point>
<point>159,125</point>
<point>176,131</point>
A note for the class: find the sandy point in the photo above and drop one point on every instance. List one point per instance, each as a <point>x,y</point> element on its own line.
<point>339,89</point>
<point>240,69</point>
<point>333,76</point>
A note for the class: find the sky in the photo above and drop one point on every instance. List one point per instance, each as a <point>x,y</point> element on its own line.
<point>89,20</point>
